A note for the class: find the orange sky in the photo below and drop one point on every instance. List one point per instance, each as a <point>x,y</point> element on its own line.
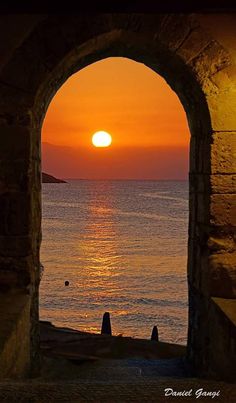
<point>131,102</point>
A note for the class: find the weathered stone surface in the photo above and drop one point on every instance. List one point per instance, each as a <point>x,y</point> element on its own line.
<point>15,217</point>
<point>28,73</point>
<point>223,209</point>
<point>222,316</point>
<point>220,243</point>
<point>223,153</point>
<point>216,183</point>
<point>225,79</point>
<point>15,29</point>
<point>14,176</point>
<point>223,183</point>
<point>194,44</point>
<point>15,104</point>
<point>202,208</point>
<point>212,59</point>
<point>222,275</point>
<point>16,263</point>
<point>14,141</point>
<point>15,335</point>
<point>173,31</point>
<point>215,344</point>
<point>194,266</point>
<point>14,279</point>
<point>200,161</point>
<point>198,328</point>
<point>222,108</point>
<point>13,246</point>
<point>228,307</point>
<point>34,330</point>
<point>149,23</point>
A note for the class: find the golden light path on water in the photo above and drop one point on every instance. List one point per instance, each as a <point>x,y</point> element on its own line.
<point>123,249</point>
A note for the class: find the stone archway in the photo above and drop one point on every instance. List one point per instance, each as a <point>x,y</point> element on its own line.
<point>42,56</point>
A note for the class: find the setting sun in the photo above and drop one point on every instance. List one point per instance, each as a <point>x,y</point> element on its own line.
<point>101,139</point>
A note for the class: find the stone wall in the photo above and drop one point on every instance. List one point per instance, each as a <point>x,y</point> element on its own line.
<point>14,337</point>
<point>38,55</point>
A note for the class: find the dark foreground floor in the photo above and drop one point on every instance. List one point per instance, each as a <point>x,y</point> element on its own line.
<point>114,380</point>
<point>77,367</point>
<point>129,390</point>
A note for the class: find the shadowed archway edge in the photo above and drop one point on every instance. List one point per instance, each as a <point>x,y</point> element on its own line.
<point>175,46</point>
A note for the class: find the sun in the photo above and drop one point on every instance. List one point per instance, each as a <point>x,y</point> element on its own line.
<point>101,139</point>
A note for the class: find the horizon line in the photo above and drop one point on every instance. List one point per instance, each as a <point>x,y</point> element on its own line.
<point>126,179</point>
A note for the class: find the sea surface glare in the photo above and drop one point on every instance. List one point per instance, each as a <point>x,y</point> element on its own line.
<point>122,245</point>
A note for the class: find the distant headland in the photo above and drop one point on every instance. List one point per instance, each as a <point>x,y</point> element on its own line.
<point>46,178</point>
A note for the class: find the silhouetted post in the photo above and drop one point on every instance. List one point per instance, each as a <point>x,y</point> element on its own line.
<point>154,335</point>
<point>106,324</point>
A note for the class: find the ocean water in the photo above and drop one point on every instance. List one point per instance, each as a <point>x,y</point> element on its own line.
<point>122,245</point>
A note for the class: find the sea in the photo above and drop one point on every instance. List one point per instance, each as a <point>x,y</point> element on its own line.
<point>122,246</point>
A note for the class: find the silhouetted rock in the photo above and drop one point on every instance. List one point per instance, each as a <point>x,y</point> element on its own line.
<point>154,335</point>
<point>46,178</point>
<point>106,324</point>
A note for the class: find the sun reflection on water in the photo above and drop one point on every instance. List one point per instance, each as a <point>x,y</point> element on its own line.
<point>121,252</point>
<point>99,247</point>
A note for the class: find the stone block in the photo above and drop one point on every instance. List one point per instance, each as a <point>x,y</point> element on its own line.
<point>222,280</point>
<point>222,108</point>
<point>14,336</point>
<point>212,59</point>
<point>15,104</point>
<point>211,184</point>
<point>193,259</point>
<point>203,208</point>
<point>21,73</point>
<point>16,263</point>
<point>15,28</point>
<point>209,87</point>
<point>218,243</point>
<point>15,176</point>
<point>193,161</point>
<point>220,183</point>
<point>222,335</point>
<point>35,173</point>
<point>194,44</point>
<point>15,213</point>
<point>204,161</point>
<point>223,209</point>
<point>212,335</point>
<point>223,153</point>
<point>199,183</point>
<point>14,141</point>
<point>211,265</point>
<point>149,23</point>
<point>198,331</point>
<point>198,265</point>
<point>192,214</point>
<point>225,79</point>
<point>14,279</point>
<point>15,246</point>
<point>228,307</point>
<point>173,31</point>
<point>200,148</point>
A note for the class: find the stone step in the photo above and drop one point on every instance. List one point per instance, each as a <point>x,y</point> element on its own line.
<point>118,374</point>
